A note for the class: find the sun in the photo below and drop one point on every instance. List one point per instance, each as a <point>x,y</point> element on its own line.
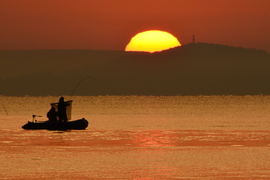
<point>152,41</point>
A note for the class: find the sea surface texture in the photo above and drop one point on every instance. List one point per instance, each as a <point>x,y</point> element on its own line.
<point>140,138</point>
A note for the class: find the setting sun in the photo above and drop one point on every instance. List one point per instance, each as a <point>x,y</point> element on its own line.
<point>152,41</point>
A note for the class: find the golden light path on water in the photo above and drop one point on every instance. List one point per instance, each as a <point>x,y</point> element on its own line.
<point>140,137</point>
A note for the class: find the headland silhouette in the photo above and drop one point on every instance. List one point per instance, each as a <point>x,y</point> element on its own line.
<point>192,69</point>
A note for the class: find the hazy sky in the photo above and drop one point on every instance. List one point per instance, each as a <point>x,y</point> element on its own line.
<point>109,24</point>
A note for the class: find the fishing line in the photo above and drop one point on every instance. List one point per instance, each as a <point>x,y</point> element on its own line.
<point>92,77</point>
<point>5,109</point>
<point>80,83</point>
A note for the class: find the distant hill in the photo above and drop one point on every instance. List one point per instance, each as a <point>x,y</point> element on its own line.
<point>192,69</point>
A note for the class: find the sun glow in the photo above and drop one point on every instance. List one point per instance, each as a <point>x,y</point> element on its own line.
<point>152,41</point>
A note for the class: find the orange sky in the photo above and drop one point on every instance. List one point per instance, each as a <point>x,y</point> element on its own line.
<point>109,24</point>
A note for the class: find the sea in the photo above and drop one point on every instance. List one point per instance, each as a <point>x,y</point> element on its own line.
<point>139,138</point>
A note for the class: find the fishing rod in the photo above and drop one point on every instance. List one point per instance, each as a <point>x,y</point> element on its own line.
<point>80,83</point>
<point>91,76</point>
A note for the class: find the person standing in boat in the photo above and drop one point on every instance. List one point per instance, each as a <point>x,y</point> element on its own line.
<point>62,114</point>
<point>52,115</point>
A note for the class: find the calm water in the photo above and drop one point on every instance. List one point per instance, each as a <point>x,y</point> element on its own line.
<point>139,137</point>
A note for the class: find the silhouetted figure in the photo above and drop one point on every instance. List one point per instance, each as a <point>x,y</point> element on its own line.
<point>62,114</point>
<point>52,114</point>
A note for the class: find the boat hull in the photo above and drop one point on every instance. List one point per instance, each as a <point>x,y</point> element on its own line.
<point>76,124</point>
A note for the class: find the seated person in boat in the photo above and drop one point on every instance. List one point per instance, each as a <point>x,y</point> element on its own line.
<point>52,114</point>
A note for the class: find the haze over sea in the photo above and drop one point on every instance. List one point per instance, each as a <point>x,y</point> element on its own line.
<point>139,137</point>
